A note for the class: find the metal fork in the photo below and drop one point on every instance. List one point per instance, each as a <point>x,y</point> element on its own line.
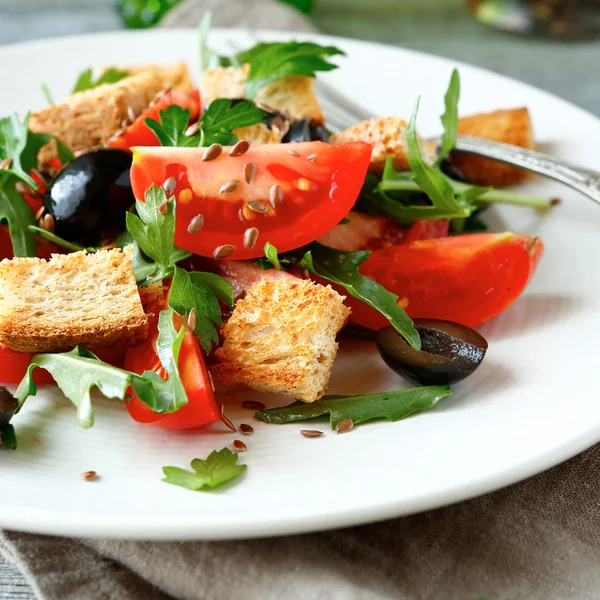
<point>341,112</point>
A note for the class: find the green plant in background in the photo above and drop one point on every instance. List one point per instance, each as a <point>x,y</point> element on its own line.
<point>140,14</point>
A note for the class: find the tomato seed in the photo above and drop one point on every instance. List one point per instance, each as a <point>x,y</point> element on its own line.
<point>196,224</point>
<point>192,129</point>
<point>239,445</point>
<point>213,151</point>
<point>223,251</point>
<point>169,185</point>
<point>250,237</point>
<point>311,433</point>
<point>240,148</point>
<point>257,206</point>
<point>275,195</point>
<point>246,429</point>
<point>88,475</point>
<point>249,171</point>
<point>230,186</point>
<point>344,426</point>
<point>253,405</point>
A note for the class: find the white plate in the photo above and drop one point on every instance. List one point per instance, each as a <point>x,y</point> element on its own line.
<point>531,405</point>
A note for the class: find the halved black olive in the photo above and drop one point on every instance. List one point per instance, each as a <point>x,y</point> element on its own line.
<point>8,406</point>
<point>449,352</point>
<point>90,195</point>
<point>302,131</point>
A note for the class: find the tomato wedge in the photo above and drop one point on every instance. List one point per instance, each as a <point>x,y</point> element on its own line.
<point>290,200</point>
<point>13,366</point>
<point>138,134</point>
<point>202,406</point>
<point>467,279</point>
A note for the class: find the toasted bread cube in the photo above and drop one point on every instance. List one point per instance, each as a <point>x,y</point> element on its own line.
<point>281,338</point>
<point>512,126</point>
<point>174,77</point>
<point>77,299</point>
<point>388,136</point>
<point>258,134</point>
<point>294,94</point>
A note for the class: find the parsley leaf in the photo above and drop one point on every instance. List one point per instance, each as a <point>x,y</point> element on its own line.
<point>15,211</point>
<point>171,127</point>
<point>272,257</point>
<point>450,117</point>
<point>221,118</point>
<point>199,291</point>
<point>387,405</point>
<point>272,61</point>
<point>85,81</point>
<point>8,437</point>
<point>219,468</point>
<point>342,268</point>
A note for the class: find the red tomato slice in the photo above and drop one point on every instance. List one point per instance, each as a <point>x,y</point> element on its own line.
<point>44,249</point>
<point>138,134</point>
<point>467,279</point>
<point>13,366</point>
<point>316,194</point>
<point>202,407</point>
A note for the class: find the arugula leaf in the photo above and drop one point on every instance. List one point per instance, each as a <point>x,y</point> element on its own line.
<point>58,241</point>
<point>85,81</point>
<point>171,127</point>
<point>272,256</point>
<point>342,268</point>
<point>15,211</point>
<point>304,6</point>
<point>387,405</point>
<point>221,118</point>
<point>219,468</point>
<point>8,437</point>
<point>153,230</point>
<point>199,291</point>
<point>450,117</point>
<point>272,61</point>
<point>47,94</point>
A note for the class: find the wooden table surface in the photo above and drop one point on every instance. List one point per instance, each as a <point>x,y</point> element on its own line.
<point>440,27</point>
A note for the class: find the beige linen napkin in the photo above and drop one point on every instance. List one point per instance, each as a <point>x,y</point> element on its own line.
<point>537,540</point>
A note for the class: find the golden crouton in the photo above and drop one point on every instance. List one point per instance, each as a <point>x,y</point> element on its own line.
<point>174,77</point>
<point>77,299</point>
<point>281,338</point>
<point>258,134</point>
<point>387,134</point>
<point>512,126</point>
<point>294,94</point>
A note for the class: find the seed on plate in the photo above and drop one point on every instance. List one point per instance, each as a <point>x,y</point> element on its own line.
<point>311,433</point>
<point>229,186</point>
<point>246,429</point>
<point>212,152</point>
<point>35,440</point>
<point>131,114</point>
<point>275,195</point>
<point>40,213</point>
<point>257,206</point>
<point>191,320</point>
<point>23,188</point>
<point>249,171</point>
<point>253,405</point>
<point>239,445</point>
<point>5,164</point>
<point>250,237</point>
<point>555,201</point>
<point>196,224</point>
<point>169,185</point>
<point>192,129</point>
<point>226,421</point>
<point>311,157</point>
<point>223,251</point>
<point>344,426</point>
<point>240,148</point>
<point>88,475</point>
<point>293,152</point>
<point>47,223</point>
<point>163,207</point>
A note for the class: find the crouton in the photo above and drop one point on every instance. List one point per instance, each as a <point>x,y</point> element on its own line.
<point>294,94</point>
<point>388,136</point>
<point>258,134</point>
<point>77,299</point>
<point>281,338</point>
<point>91,117</point>
<point>512,126</point>
<point>173,77</point>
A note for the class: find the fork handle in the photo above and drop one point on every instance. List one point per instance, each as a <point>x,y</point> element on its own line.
<point>584,181</point>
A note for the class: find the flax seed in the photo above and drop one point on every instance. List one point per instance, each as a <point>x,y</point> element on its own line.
<point>275,195</point>
<point>47,223</point>
<point>241,215</point>
<point>169,185</point>
<point>239,445</point>
<point>311,433</point>
<point>223,251</point>
<point>192,129</point>
<point>250,237</point>
<point>312,157</point>
<point>257,206</point>
<point>23,188</point>
<point>253,405</point>
<point>293,152</point>
<point>131,114</point>
<point>125,123</point>
<point>163,207</point>
<point>88,475</point>
<point>344,426</point>
<point>191,320</point>
<point>246,429</point>
<point>226,421</point>
<point>230,186</point>
<point>240,148</point>
<point>249,171</point>
<point>212,152</point>
<point>5,164</point>
<point>196,224</point>
<point>40,213</point>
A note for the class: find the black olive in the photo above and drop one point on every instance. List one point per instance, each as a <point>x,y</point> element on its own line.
<point>318,133</point>
<point>449,352</point>
<point>8,406</point>
<point>302,131</point>
<point>91,195</point>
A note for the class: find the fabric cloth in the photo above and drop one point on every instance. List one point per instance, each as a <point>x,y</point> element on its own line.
<point>537,540</point>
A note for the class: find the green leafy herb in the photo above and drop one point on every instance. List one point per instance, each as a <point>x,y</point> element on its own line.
<point>47,93</point>
<point>8,437</point>
<point>221,118</point>
<point>15,211</point>
<point>272,61</point>
<point>219,468</point>
<point>200,292</point>
<point>450,117</point>
<point>272,257</point>
<point>342,268</point>
<point>85,81</point>
<point>171,127</point>
<point>387,405</point>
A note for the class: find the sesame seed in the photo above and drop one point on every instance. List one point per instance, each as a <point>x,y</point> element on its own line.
<point>212,152</point>
<point>344,426</point>
<point>23,188</point>
<point>275,195</point>
<point>88,475</point>
<point>253,405</point>
<point>239,445</point>
<point>246,429</point>
<point>163,207</point>
<point>47,223</point>
<point>5,164</point>
<point>250,237</point>
<point>192,129</point>
<point>229,186</point>
<point>223,251</point>
<point>169,185</point>
<point>240,148</point>
<point>249,171</point>
<point>311,157</point>
<point>131,114</point>
<point>196,224</point>
<point>257,206</point>
<point>226,421</point>
<point>311,433</point>
<point>293,152</point>
<point>191,320</point>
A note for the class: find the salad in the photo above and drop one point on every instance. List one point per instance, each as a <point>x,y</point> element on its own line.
<point>160,241</point>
